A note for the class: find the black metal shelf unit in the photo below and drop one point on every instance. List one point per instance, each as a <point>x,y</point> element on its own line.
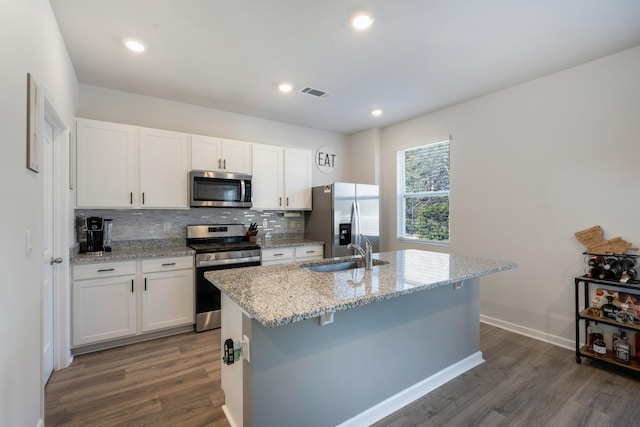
<point>583,315</point>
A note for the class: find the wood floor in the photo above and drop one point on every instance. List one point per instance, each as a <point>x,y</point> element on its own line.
<point>175,381</point>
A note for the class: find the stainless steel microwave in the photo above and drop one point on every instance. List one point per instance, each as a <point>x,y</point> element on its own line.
<point>219,189</point>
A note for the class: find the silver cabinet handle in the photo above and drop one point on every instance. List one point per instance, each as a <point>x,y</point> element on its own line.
<point>143,198</point>
<point>278,254</point>
<point>219,163</point>
<point>280,201</point>
<point>56,260</point>
<point>131,198</point>
<point>287,201</point>
<point>106,269</point>
<point>168,264</point>
<point>224,164</point>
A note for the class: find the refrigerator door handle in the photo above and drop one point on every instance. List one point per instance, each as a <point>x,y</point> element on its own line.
<point>358,239</point>
<point>354,221</point>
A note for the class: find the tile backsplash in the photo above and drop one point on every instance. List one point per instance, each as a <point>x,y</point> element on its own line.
<point>141,224</point>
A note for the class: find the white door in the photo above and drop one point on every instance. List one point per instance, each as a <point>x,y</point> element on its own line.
<point>47,252</point>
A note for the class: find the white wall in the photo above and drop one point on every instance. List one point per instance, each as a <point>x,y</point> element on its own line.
<point>124,107</point>
<point>531,165</point>
<point>364,149</point>
<point>30,43</point>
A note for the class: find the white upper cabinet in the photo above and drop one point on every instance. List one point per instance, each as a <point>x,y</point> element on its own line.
<point>281,178</point>
<point>123,166</point>
<point>105,164</point>
<point>164,168</point>
<point>297,179</point>
<point>218,154</point>
<point>267,184</point>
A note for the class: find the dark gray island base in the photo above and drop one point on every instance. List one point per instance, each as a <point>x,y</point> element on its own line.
<point>398,332</point>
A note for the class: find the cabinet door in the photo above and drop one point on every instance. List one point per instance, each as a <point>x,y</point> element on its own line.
<point>105,164</point>
<point>236,156</point>
<point>297,179</point>
<point>164,166</point>
<point>267,183</point>
<point>277,256</point>
<point>206,153</point>
<point>103,309</point>
<point>167,299</point>
<point>308,253</point>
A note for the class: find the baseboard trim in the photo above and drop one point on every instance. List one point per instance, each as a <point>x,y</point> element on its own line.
<point>228,415</point>
<point>528,332</point>
<point>416,391</point>
<point>89,348</point>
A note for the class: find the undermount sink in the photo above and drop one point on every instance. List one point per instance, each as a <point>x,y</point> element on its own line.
<point>340,265</point>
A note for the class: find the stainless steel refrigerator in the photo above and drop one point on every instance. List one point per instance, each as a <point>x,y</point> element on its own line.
<point>341,213</point>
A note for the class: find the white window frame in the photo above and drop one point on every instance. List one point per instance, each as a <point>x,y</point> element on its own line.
<point>401,215</point>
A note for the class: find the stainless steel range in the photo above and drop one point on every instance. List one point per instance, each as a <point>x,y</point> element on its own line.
<point>217,247</point>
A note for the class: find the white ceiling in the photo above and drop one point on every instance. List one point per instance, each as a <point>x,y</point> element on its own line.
<point>419,56</point>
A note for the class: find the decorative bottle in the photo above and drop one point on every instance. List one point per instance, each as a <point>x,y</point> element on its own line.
<point>609,309</point>
<point>622,348</point>
<point>592,331</point>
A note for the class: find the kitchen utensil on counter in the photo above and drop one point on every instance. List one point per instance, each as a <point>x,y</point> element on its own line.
<point>252,232</point>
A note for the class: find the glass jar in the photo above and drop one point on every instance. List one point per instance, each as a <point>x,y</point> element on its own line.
<point>594,310</point>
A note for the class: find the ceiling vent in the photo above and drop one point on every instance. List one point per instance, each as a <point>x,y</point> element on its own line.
<point>315,92</point>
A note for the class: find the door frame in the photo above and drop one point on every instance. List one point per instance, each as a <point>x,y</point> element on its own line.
<point>61,231</point>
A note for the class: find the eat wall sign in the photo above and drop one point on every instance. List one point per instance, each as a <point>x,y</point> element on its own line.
<point>326,159</point>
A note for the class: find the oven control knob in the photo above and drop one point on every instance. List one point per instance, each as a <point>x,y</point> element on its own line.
<point>208,257</point>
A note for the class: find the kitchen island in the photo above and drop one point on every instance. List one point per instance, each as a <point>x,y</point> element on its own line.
<point>347,347</point>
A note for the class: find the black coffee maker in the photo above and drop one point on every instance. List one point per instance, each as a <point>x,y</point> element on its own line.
<point>98,235</point>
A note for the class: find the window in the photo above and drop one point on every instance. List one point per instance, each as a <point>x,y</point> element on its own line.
<point>423,193</point>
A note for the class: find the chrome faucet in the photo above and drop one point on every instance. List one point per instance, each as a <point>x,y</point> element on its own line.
<point>365,253</point>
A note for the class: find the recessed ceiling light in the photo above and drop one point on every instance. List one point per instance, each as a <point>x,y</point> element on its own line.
<point>134,45</point>
<point>376,112</point>
<point>361,20</point>
<point>285,87</point>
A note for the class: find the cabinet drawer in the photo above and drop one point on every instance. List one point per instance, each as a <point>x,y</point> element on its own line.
<point>165,264</point>
<point>277,254</point>
<point>103,269</point>
<point>304,252</point>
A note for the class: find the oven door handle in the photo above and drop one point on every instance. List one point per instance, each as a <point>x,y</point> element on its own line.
<point>229,261</point>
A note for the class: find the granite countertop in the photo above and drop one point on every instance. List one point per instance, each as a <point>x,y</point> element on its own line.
<point>287,242</point>
<point>138,249</point>
<point>281,294</point>
<point>156,248</point>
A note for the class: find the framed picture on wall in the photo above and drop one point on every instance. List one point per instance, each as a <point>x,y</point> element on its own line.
<point>33,147</point>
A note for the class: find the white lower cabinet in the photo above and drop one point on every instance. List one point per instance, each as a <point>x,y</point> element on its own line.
<point>277,256</point>
<point>308,253</point>
<point>104,301</point>
<point>289,254</point>
<point>127,298</point>
<point>167,296</point>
